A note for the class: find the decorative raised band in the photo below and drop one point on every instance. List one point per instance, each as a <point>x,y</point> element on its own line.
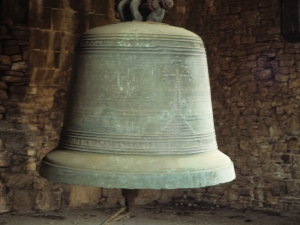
<point>140,145</point>
<point>140,42</point>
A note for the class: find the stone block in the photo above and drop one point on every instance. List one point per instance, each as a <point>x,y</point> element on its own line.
<point>63,20</point>
<point>2,110</point>
<point>31,166</point>
<point>20,66</point>
<point>5,159</point>
<point>3,29</point>
<point>53,4</point>
<point>31,90</point>
<point>12,50</point>
<point>275,131</point>
<point>293,144</point>
<point>3,86</point>
<point>5,205</point>
<point>211,11</point>
<point>5,37</point>
<point>23,43</point>
<point>17,89</point>
<point>16,58</point>
<point>293,125</point>
<point>3,94</point>
<point>111,197</point>
<point>181,9</point>
<point>38,59</point>
<point>249,40</point>
<point>94,20</point>
<point>43,77</point>
<point>40,18</point>
<point>81,195</point>
<point>252,162</point>
<point>14,79</point>
<point>5,60</point>
<point>50,198</point>
<point>296,172</point>
<point>39,39</point>
<point>251,87</point>
<point>23,201</point>
<point>293,187</point>
<point>244,145</point>
<point>148,196</point>
<point>3,190</point>
<point>264,75</point>
<point>57,41</point>
<point>246,192</point>
<point>168,195</point>
<point>20,181</point>
<point>20,34</point>
<point>282,78</point>
<point>25,54</point>
<point>83,5</point>
<point>13,73</point>
<point>9,42</point>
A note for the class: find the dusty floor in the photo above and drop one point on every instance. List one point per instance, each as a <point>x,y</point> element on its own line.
<point>153,215</point>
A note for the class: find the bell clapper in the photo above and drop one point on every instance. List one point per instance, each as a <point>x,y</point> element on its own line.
<point>130,195</point>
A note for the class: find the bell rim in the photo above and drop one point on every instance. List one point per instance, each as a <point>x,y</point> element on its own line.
<point>220,169</point>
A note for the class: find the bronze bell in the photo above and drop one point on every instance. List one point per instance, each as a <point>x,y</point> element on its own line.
<point>139,112</point>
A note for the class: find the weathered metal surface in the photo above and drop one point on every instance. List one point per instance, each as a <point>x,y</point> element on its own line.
<point>139,113</point>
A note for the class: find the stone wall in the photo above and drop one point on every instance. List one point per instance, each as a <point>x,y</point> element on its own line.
<point>255,86</point>
<point>32,99</point>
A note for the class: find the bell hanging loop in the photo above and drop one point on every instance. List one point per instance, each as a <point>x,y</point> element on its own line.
<point>142,10</point>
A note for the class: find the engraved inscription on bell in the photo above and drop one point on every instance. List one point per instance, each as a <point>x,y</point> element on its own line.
<point>136,98</point>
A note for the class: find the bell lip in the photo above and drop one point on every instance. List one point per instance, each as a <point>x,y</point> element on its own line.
<point>182,178</point>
